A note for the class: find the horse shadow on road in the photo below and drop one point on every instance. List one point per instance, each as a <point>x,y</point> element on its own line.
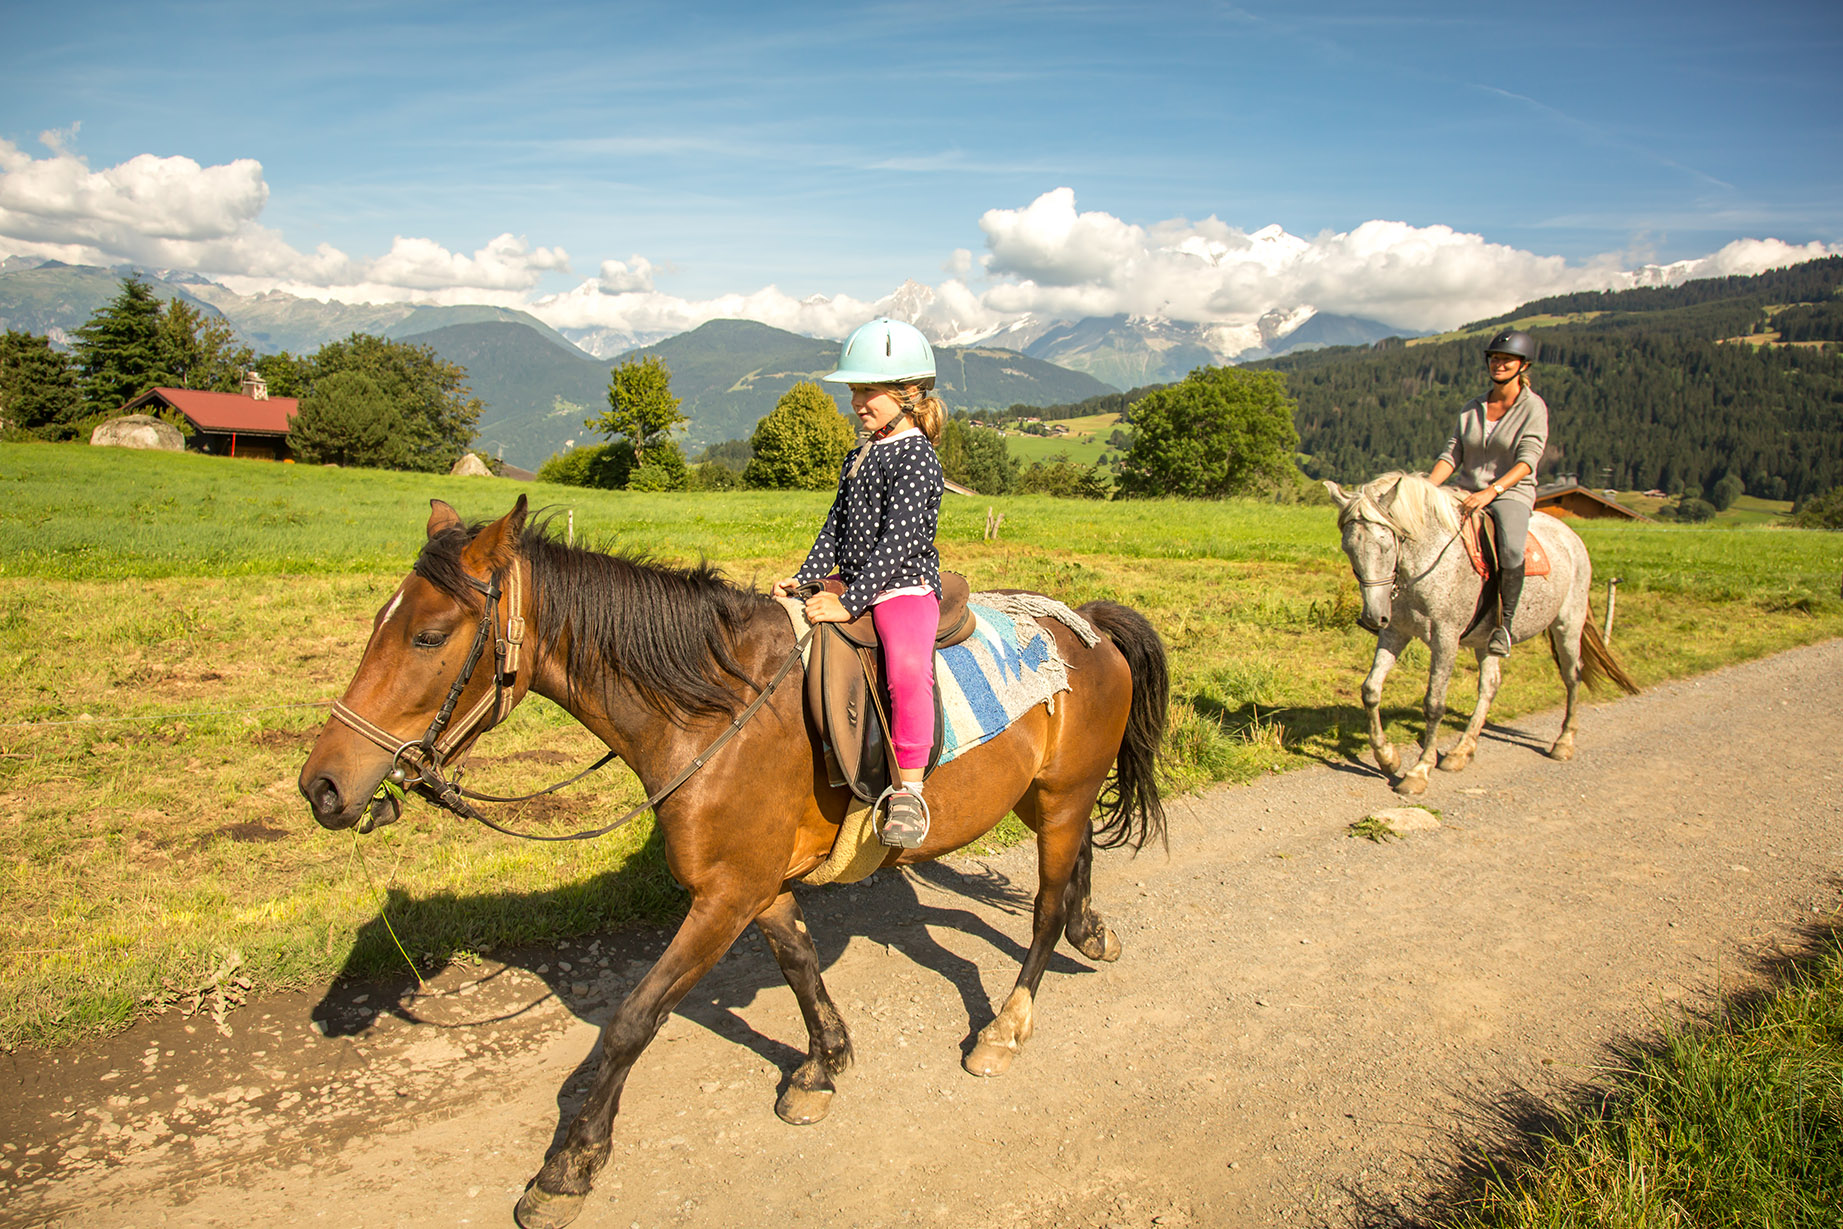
<point>901,911</point>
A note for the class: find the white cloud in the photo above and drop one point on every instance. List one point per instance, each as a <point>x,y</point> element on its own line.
<point>649,313</point>
<point>172,213</point>
<point>1051,260</point>
<point>626,276</point>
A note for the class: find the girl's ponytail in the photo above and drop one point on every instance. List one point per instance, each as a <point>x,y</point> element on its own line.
<point>926,411</point>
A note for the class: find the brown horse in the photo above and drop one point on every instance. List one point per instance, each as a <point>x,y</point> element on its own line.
<point>659,663</point>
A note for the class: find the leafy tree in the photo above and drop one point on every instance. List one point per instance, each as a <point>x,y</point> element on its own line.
<point>661,469</point>
<point>1063,477</point>
<point>121,350</point>
<point>713,476</point>
<point>1692,510</point>
<point>1729,489</point>
<point>439,411</point>
<point>1823,511</point>
<point>641,406</point>
<point>977,458</point>
<point>1221,431</point>
<point>601,466</point>
<point>202,351</point>
<point>38,388</point>
<point>348,419</point>
<point>800,443</point>
<point>286,375</point>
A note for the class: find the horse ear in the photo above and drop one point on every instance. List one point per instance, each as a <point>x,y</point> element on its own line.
<point>442,517</point>
<point>1337,493</point>
<point>493,547</point>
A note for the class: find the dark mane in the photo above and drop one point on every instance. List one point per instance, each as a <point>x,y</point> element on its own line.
<point>668,632</point>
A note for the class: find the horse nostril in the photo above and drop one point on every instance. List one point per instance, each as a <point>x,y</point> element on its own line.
<point>323,796</point>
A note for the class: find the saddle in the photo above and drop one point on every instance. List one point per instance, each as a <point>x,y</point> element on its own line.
<point>1479,533</point>
<point>847,699</point>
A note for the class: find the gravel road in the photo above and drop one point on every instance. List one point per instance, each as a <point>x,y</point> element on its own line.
<point>1301,1024</point>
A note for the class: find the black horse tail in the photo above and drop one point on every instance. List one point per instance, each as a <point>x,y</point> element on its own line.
<point>1131,810</point>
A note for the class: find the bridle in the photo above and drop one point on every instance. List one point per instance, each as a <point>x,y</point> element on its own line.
<point>428,755</point>
<point>1394,579</point>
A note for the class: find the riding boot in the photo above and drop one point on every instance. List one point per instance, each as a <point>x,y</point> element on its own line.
<point>1509,593</point>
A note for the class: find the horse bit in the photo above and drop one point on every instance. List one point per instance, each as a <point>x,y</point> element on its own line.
<point>427,754</point>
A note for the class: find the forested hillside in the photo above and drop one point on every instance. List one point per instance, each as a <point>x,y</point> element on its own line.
<point>1645,388</point>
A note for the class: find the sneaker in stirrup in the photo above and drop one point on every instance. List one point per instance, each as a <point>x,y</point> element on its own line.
<point>905,823</point>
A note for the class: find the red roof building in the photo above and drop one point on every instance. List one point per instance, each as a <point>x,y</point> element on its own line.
<point>248,424</point>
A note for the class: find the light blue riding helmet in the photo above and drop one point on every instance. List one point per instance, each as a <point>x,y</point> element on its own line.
<point>884,351</point>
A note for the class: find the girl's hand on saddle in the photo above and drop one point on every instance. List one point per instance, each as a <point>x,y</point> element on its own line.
<point>784,587</point>
<point>826,608</point>
<point>1476,500</point>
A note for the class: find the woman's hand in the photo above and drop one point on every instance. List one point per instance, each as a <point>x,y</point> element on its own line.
<point>784,587</point>
<point>825,607</point>
<point>1476,501</point>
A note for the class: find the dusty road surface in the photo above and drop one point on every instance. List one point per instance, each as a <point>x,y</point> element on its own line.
<point>1300,1021</point>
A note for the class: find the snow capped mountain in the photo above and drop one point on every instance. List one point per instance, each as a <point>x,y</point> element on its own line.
<point>610,343</point>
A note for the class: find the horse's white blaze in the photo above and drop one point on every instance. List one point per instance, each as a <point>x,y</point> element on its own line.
<point>395,602</point>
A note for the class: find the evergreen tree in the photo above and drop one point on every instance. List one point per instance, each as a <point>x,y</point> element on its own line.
<point>39,397</point>
<point>1221,431</point>
<point>121,351</point>
<point>799,444</point>
<point>348,419</point>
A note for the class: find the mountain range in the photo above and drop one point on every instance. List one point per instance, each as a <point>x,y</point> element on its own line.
<point>538,384</point>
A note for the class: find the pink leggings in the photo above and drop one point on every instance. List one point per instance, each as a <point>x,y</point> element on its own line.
<point>905,627</point>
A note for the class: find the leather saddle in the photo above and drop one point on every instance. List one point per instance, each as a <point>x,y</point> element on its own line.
<point>1479,533</point>
<point>849,703</point>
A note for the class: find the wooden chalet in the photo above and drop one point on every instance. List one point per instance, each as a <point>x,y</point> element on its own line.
<point>248,423</point>
<point>1569,499</point>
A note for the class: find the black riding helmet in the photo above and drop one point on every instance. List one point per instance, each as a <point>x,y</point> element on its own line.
<point>1515,343</point>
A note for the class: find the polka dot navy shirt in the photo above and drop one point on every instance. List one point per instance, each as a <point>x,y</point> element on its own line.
<point>879,534</point>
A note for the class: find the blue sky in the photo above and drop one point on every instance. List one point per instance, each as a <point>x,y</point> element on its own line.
<point>839,150</point>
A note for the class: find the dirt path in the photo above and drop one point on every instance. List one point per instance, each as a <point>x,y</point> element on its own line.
<point>1300,1021</point>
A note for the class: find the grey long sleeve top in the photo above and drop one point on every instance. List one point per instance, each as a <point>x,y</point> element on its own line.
<point>880,531</point>
<point>1479,451</point>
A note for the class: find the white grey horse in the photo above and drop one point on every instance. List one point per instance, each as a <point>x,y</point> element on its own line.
<point>1401,533</point>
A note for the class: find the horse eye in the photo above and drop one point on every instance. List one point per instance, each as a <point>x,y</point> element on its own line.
<point>431,640</point>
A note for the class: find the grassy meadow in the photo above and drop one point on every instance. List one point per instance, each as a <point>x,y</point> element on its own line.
<point>172,626</point>
<point>1084,444</point>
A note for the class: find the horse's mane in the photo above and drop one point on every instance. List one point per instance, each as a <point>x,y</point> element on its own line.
<point>668,632</point>
<point>1407,503</point>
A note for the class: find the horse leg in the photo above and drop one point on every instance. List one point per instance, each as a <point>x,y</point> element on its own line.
<point>809,1090</point>
<point>1490,675</point>
<point>1062,834</point>
<point>1389,645</point>
<point>1085,931</point>
<point>1444,649</point>
<point>1567,643</point>
<point>556,1195</point>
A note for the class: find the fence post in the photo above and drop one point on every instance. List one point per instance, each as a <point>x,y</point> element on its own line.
<point>1612,595</point>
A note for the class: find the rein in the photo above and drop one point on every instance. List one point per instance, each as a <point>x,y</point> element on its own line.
<point>1394,579</point>
<point>427,754</point>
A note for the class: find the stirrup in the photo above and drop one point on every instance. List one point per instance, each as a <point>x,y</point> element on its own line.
<point>1499,645</point>
<point>905,820</point>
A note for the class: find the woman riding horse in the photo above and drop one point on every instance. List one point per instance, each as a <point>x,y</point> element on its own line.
<point>1493,453</point>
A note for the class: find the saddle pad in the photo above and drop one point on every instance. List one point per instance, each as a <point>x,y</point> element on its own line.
<point>1535,559</point>
<point>1008,666</point>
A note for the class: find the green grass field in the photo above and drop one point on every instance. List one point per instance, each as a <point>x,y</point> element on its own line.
<point>1084,444</point>
<point>170,625</point>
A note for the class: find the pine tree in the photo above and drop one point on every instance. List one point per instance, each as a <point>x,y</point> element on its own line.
<point>121,350</point>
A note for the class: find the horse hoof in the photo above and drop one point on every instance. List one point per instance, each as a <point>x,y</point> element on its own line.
<point>1455,763</point>
<point>1104,946</point>
<point>1560,752</point>
<point>539,1209</point>
<point>1411,786</point>
<point>988,1059</point>
<point>802,1107</point>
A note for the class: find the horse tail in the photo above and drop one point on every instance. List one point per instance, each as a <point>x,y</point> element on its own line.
<point>1598,665</point>
<point>1131,811</point>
